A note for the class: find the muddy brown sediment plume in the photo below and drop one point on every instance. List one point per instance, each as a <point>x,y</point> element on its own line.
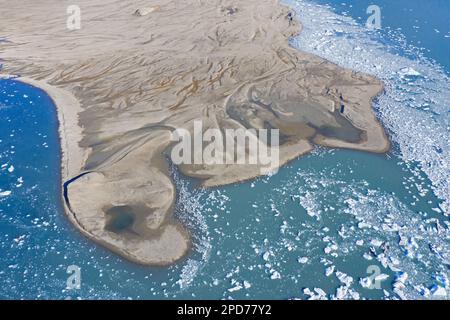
<point>136,70</point>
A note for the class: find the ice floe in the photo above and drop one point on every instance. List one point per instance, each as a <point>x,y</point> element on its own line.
<point>4,194</point>
<point>303,260</point>
<point>274,275</point>
<point>315,294</point>
<point>344,278</point>
<point>408,71</point>
<point>411,82</point>
<point>329,271</point>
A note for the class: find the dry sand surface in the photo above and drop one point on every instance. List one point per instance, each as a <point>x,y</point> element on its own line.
<point>136,70</point>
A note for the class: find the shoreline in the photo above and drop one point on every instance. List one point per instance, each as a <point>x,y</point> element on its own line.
<point>67,108</point>
<point>113,183</point>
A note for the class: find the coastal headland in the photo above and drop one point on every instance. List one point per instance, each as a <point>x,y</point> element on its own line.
<point>137,70</point>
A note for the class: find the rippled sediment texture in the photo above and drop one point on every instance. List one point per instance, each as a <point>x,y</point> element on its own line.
<point>137,77</point>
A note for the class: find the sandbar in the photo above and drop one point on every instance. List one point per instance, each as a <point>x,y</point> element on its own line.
<point>137,70</point>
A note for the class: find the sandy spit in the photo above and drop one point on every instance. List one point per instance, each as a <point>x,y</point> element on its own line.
<point>137,70</point>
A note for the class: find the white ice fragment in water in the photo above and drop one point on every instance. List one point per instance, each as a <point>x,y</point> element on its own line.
<point>266,256</point>
<point>355,295</point>
<point>320,292</point>
<point>289,245</point>
<point>329,271</point>
<point>247,284</point>
<point>382,277</point>
<point>20,240</point>
<point>307,291</point>
<point>438,291</point>
<point>303,260</point>
<point>443,280</point>
<point>317,294</point>
<point>402,277</point>
<point>283,227</point>
<point>400,293</point>
<point>376,243</point>
<point>237,287</point>
<point>5,193</point>
<point>365,282</point>
<point>275,275</point>
<point>398,285</point>
<point>383,260</point>
<point>423,291</point>
<point>11,169</point>
<point>330,248</point>
<point>367,256</point>
<point>363,225</point>
<point>341,292</point>
<point>438,210</point>
<point>408,71</point>
<point>344,278</point>
<point>19,182</point>
<point>359,242</point>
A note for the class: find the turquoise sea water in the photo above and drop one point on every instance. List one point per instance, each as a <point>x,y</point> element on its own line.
<point>424,24</point>
<point>321,227</point>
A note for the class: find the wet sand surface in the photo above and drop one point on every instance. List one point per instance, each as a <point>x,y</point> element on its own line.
<point>137,70</point>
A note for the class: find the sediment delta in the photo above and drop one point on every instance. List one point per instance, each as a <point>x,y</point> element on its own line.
<point>137,70</point>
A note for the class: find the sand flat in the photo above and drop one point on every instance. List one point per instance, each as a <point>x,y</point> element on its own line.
<point>136,70</point>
